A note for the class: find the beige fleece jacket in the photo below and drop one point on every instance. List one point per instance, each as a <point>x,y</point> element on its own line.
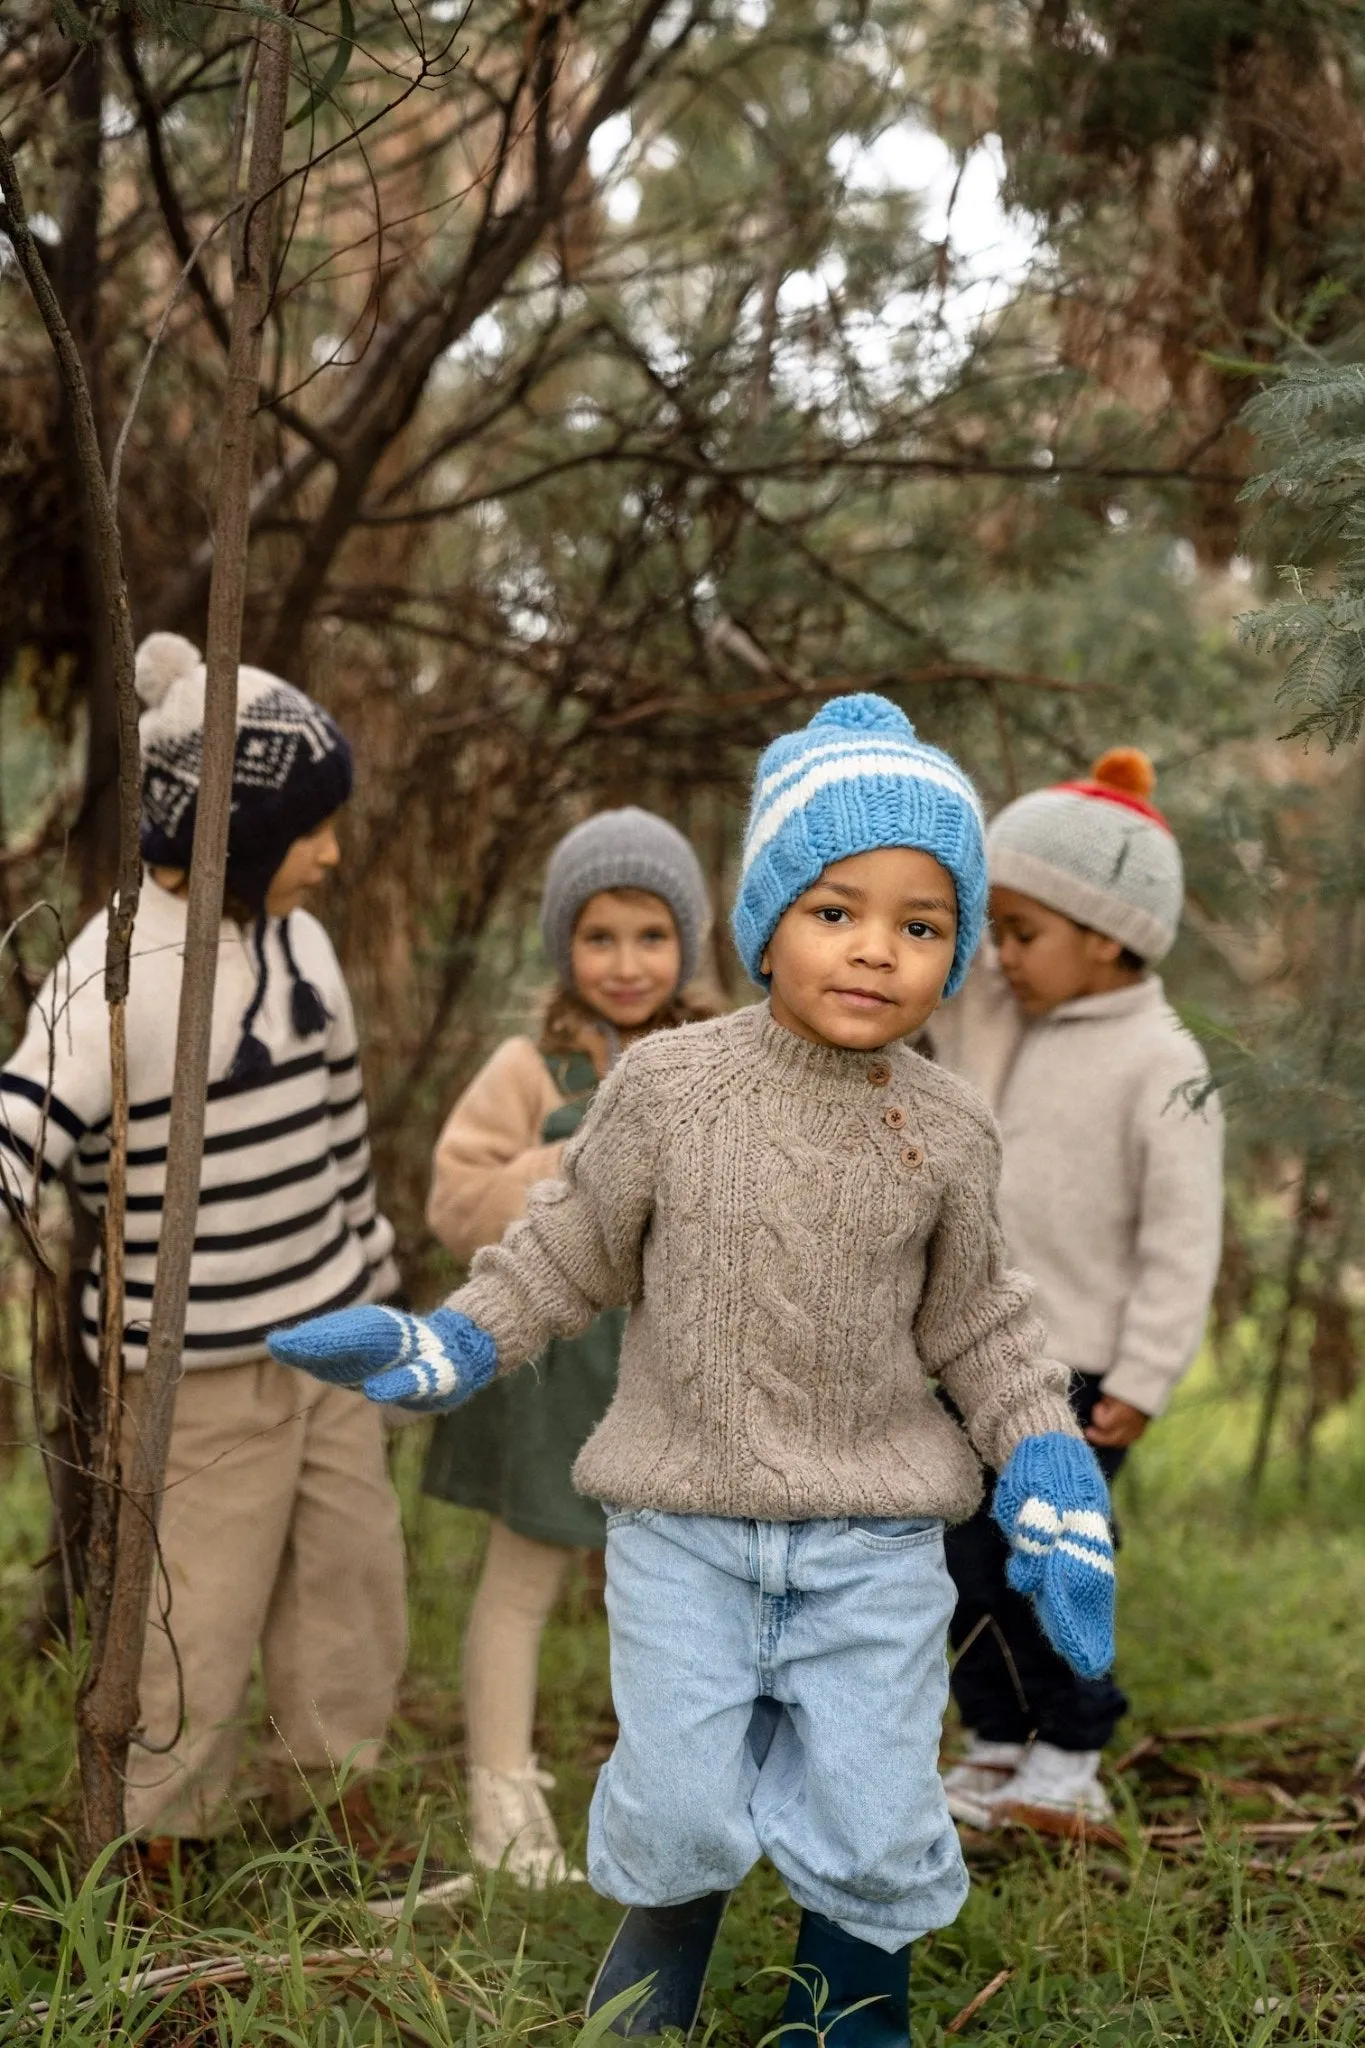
<point>489,1153</point>
<point>1111,1195</point>
<point>806,1237</point>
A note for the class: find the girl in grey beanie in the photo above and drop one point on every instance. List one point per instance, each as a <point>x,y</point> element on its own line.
<point>625,849</point>
<point>623,917</point>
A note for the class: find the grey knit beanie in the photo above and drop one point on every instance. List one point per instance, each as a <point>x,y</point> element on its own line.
<point>626,849</point>
<point>1098,851</point>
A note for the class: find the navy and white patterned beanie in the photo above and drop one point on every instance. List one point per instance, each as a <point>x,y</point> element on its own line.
<point>855,779</point>
<point>291,771</point>
<point>292,767</point>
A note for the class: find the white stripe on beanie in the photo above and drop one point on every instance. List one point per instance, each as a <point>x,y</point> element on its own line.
<point>902,762</point>
<point>854,743</point>
<point>838,743</point>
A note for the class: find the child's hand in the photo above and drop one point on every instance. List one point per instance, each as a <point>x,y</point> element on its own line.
<point>423,1362</point>
<point>1053,1505</point>
<point>1115,1424</point>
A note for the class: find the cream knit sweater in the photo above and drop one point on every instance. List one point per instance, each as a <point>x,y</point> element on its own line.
<point>805,1236</point>
<point>1111,1194</point>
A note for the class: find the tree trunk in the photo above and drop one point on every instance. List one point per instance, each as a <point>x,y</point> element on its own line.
<point>76,279</point>
<point>108,1713</point>
<point>1277,1373</point>
<point>66,1412</point>
<point>112,606</point>
<point>70,1386</point>
<point>1340,1002</point>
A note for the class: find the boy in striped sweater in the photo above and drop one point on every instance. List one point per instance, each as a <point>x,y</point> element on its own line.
<point>279,1527</point>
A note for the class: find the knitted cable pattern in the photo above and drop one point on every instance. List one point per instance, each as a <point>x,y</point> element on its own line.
<point>781,1397</point>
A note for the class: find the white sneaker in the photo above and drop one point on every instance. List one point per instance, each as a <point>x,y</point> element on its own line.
<point>1058,1792</point>
<point>983,1777</point>
<point>511,1827</point>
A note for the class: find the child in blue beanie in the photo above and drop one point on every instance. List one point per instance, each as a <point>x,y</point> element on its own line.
<point>799,1212</point>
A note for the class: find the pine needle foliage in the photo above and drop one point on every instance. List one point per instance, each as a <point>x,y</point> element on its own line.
<point>1310,423</point>
<point>1300,1070</point>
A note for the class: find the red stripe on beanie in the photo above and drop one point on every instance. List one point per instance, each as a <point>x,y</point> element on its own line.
<point>1110,795</point>
<point>1122,775</point>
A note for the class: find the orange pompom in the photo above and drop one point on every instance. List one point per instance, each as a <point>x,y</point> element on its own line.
<point>1125,768</point>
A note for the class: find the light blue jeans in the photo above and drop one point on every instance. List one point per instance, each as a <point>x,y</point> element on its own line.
<point>780,1688</point>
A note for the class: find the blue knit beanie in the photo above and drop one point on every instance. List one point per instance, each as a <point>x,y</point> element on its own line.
<point>854,779</point>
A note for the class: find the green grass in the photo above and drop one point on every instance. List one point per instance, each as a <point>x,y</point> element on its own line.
<point>1216,1941</point>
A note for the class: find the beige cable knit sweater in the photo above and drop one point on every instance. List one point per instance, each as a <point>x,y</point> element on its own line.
<point>805,1236</point>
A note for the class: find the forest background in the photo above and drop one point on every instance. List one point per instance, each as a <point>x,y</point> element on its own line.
<point>625,393</point>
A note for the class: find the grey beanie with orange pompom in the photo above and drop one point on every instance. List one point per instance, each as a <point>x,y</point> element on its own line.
<point>1099,851</point>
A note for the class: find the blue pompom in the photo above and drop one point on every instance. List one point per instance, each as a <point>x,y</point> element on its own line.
<point>864,711</point>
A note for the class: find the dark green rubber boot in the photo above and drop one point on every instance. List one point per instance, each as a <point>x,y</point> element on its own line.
<point>669,1947</point>
<point>845,1991</point>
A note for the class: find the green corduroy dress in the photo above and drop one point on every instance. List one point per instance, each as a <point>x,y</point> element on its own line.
<point>510,1451</point>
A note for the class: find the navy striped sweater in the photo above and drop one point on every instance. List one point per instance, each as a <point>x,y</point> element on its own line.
<point>287,1223</point>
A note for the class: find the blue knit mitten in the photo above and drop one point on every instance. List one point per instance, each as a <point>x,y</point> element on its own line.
<point>1053,1505</point>
<point>427,1363</point>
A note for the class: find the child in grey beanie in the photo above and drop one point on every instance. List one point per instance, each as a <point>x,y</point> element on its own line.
<point>1111,1197</point>
<point>1098,851</point>
<point>623,917</point>
<point>625,849</point>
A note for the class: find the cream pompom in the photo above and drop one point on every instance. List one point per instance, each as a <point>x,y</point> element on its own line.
<point>163,659</point>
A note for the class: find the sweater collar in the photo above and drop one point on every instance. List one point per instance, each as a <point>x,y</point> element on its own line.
<point>1144,995</point>
<point>794,1059</point>
<point>159,911</point>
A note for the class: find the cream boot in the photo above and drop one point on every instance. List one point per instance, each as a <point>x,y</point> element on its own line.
<point>980,1780</point>
<point>1058,1792</point>
<point>511,1827</point>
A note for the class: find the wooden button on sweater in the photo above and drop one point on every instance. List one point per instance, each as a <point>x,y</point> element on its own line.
<point>878,1073</point>
<point>895,1118</point>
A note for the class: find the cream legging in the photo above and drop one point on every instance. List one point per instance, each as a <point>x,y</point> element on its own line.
<point>521,1582</point>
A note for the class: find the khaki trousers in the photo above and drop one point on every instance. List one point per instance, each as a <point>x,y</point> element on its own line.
<point>279,1528</point>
